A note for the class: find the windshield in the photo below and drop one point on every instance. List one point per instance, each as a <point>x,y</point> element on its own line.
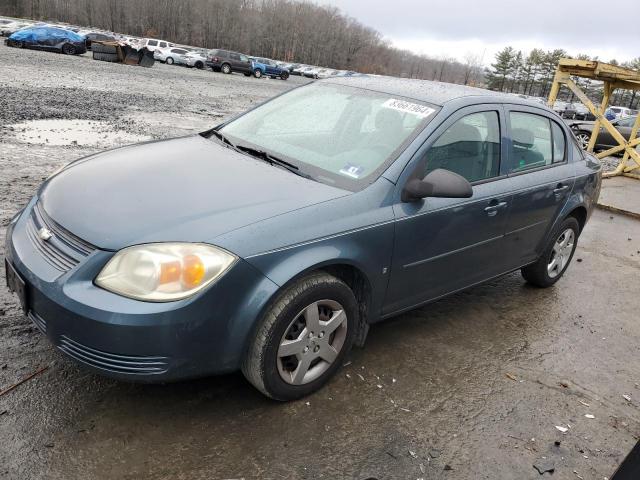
<point>338,135</point>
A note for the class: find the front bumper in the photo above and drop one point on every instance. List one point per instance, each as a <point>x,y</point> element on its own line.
<point>129,339</point>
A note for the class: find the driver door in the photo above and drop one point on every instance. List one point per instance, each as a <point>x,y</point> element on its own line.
<point>445,244</point>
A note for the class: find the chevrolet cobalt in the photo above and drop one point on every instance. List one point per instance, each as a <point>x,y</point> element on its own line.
<point>270,243</point>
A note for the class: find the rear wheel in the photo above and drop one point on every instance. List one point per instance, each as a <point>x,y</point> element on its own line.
<point>226,68</point>
<point>284,75</point>
<point>303,338</point>
<point>583,139</point>
<point>199,65</point>
<point>556,257</point>
<point>257,73</point>
<point>68,49</point>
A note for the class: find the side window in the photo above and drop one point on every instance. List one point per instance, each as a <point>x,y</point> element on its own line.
<point>244,58</point>
<point>530,141</point>
<point>153,43</point>
<point>470,147</point>
<point>234,56</point>
<point>163,44</point>
<point>559,143</point>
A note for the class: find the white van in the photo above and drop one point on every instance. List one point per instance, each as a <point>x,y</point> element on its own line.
<point>152,44</point>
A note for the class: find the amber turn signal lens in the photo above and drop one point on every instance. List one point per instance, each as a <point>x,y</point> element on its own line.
<point>192,271</point>
<point>169,272</point>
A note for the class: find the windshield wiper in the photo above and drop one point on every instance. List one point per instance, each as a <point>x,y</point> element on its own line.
<point>273,160</point>
<point>224,139</point>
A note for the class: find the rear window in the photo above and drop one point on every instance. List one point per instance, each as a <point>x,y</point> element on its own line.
<point>536,141</point>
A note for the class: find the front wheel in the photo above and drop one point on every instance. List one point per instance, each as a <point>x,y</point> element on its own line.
<point>226,68</point>
<point>68,49</point>
<point>303,338</point>
<point>169,61</point>
<point>556,257</point>
<point>257,73</point>
<point>284,75</point>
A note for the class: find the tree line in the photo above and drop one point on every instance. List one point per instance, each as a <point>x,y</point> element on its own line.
<point>532,74</point>
<point>288,30</point>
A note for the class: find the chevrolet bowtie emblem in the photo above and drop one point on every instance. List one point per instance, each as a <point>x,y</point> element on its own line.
<point>45,234</point>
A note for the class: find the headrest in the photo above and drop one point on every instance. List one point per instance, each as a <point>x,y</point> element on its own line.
<point>522,137</point>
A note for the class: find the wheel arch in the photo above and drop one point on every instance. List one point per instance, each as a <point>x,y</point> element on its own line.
<point>350,273</point>
<point>580,214</point>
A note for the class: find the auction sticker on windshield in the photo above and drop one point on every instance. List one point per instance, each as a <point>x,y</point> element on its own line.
<point>421,111</point>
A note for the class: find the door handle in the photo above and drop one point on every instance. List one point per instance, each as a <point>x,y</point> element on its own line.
<point>560,188</point>
<point>493,208</point>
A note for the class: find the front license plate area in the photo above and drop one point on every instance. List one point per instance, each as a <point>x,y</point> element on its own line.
<point>17,285</point>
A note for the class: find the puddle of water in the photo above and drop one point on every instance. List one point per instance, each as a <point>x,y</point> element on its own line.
<point>73,132</point>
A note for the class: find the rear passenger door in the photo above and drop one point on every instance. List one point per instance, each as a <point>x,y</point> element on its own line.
<point>542,177</point>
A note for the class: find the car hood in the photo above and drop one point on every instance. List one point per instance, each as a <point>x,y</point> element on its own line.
<point>187,189</point>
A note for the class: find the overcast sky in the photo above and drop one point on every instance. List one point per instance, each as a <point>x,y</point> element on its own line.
<point>454,28</point>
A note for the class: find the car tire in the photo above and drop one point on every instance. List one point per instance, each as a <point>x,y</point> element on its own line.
<point>226,68</point>
<point>583,138</point>
<point>169,61</point>
<point>106,57</point>
<point>284,76</point>
<point>199,65</point>
<point>285,328</point>
<point>247,74</point>
<point>69,49</point>
<point>257,73</point>
<point>556,257</point>
<point>18,44</point>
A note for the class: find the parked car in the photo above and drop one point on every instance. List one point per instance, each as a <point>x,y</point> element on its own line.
<point>264,67</point>
<point>299,69</point>
<point>48,38</point>
<point>582,112</point>
<point>171,55</point>
<point>310,72</point>
<point>152,44</point>
<point>616,113</point>
<point>96,36</point>
<point>605,140</point>
<point>226,61</point>
<point>298,229</point>
<point>195,59</point>
<point>559,107</point>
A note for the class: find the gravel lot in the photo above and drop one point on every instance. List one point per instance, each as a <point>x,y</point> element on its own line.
<point>471,387</point>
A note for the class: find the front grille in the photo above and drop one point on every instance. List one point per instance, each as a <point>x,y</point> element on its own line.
<point>38,321</point>
<point>63,250</point>
<point>129,364</point>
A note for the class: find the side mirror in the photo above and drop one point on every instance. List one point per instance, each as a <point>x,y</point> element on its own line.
<point>439,183</point>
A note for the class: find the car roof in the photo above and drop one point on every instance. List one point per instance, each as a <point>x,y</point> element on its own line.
<point>436,93</point>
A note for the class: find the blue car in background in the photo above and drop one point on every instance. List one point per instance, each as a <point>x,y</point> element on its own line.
<point>263,67</point>
<point>49,38</point>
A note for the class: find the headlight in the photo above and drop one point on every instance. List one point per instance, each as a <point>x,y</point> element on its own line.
<point>163,272</point>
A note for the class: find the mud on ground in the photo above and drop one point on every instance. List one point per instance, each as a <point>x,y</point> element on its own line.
<point>470,387</point>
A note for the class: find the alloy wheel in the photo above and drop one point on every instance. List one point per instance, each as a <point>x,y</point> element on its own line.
<point>583,140</point>
<point>561,253</point>
<point>312,342</point>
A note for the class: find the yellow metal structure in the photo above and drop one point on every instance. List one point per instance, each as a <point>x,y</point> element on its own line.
<point>613,77</point>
